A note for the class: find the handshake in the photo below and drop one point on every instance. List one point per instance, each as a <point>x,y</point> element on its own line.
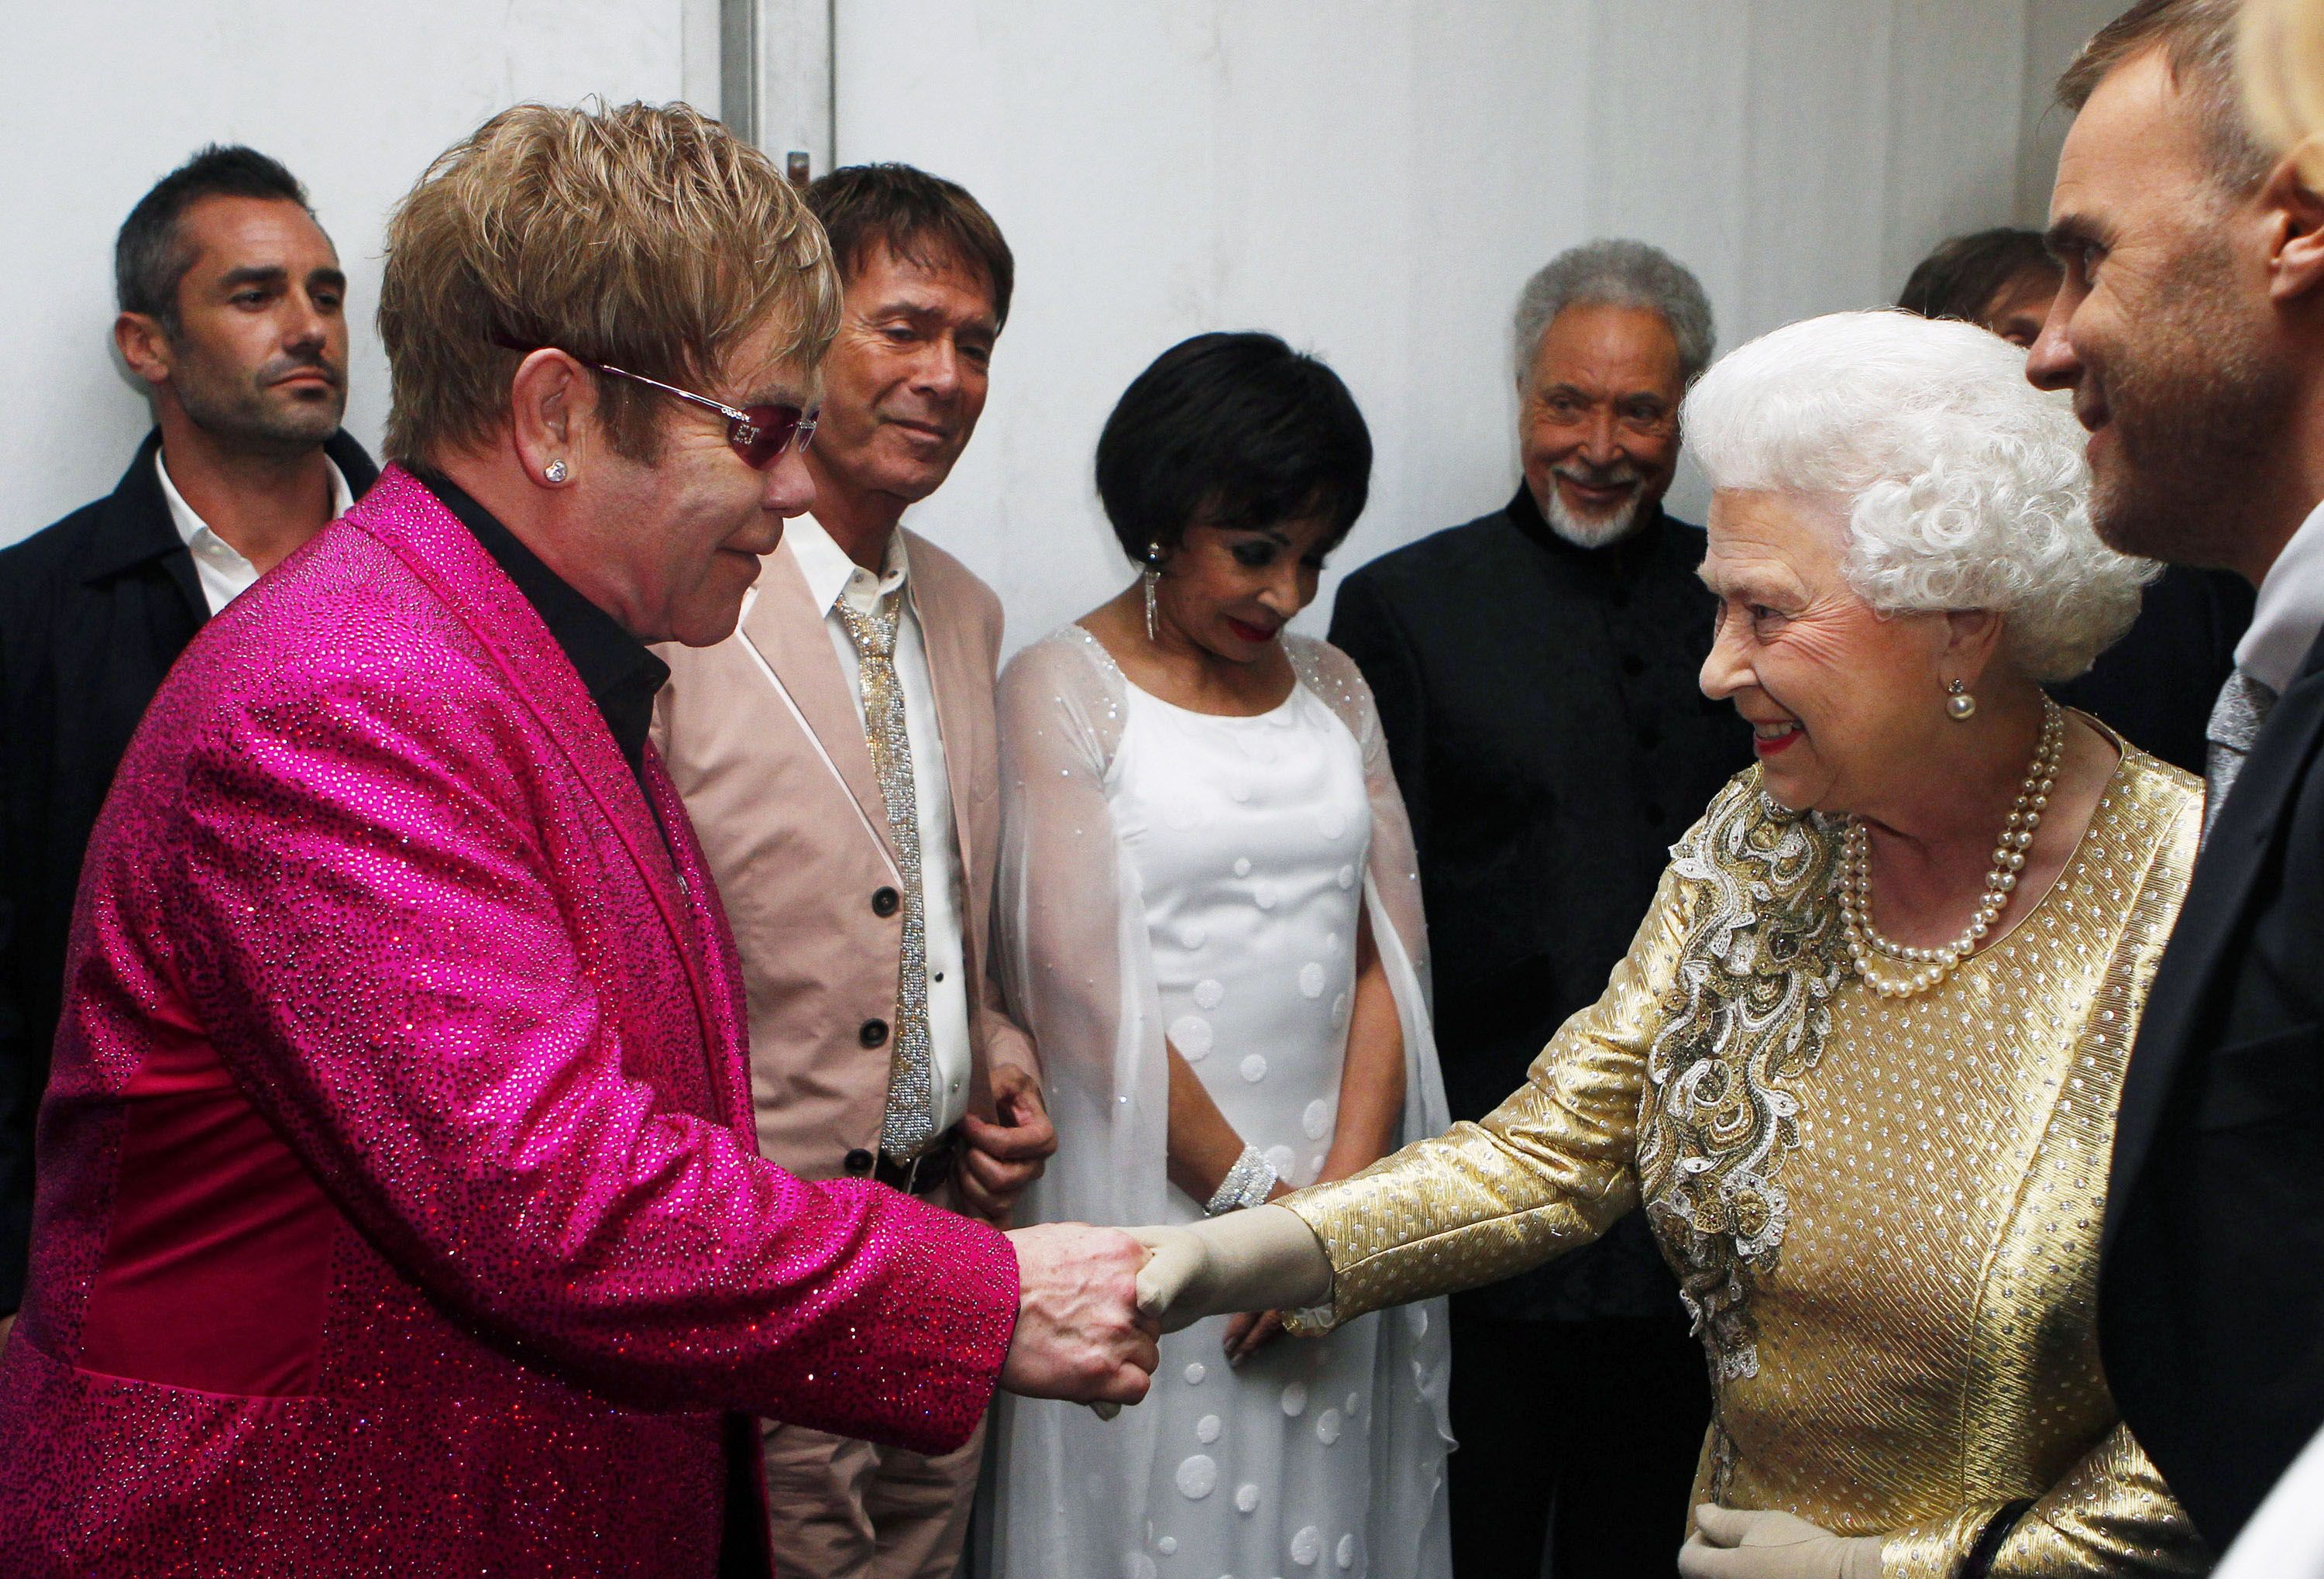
<point>1093,1303</point>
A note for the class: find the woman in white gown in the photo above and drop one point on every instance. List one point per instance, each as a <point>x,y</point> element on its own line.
<point>1210,920</point>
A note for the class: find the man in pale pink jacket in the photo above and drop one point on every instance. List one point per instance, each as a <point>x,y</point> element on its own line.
<point>400,1209</point>
<point>861,899</point>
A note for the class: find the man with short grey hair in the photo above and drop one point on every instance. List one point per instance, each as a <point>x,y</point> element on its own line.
<point>1613,456</point>
<point>1535,672</point>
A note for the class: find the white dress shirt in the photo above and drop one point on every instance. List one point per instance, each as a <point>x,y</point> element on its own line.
<point>2289,611</point>
<point>226,574</point>
<point>832,576</point>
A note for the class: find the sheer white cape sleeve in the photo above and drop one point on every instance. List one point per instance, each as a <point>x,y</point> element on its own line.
<point>1071,941</point>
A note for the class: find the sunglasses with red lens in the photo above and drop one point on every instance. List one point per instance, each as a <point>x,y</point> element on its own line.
<point>760,434</point>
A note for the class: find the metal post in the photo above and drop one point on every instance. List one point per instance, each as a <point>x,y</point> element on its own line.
<point>775,69</point>
<point>738,67</point>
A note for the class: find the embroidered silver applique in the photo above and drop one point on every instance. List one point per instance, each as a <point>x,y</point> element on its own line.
<point>1750,1011</point>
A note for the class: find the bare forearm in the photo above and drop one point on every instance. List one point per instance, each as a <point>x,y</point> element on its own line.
<point>1202,1145</point>
<point>1371,1077</point>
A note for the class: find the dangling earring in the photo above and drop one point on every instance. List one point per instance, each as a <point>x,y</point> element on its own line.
<point>1959,706</point>
<point>1153,579</point>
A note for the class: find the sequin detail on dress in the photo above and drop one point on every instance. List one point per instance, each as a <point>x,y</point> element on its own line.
<point>1750,1011</point>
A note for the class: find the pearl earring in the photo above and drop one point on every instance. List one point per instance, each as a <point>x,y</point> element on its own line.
<point>1959,706</point>
<point>554,471</point>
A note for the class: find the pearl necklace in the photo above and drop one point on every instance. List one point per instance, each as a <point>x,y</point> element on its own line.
<point>1929,967</point>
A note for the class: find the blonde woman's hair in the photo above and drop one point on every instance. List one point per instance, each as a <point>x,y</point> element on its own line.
<point>2280,58</point>
<point>647,237</point>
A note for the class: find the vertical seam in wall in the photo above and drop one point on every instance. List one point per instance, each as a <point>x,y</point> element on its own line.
<point>1886,129</point>
<point>739,68</point>
<point>1749,273</point>
<point>831,84</point>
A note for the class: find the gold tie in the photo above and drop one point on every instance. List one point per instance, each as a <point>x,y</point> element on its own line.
<point>910,1122</point>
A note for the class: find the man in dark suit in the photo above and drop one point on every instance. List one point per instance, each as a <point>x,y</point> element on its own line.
<point>1536,675</point>
<point>232,312</point>
<point>2190,328</point>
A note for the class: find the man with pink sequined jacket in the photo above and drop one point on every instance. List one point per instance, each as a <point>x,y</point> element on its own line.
<point>400,1210</point>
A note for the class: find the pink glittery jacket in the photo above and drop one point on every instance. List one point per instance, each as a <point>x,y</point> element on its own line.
<point>399,1210</point>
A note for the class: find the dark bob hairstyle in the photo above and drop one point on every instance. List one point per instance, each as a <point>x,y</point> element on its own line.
<point>1236,430</point>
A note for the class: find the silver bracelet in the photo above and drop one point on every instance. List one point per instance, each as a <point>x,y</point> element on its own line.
<point>1248,1183</point>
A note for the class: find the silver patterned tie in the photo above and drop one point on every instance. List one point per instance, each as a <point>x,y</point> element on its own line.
<point>2236,720</point>
<point>910,1122</point>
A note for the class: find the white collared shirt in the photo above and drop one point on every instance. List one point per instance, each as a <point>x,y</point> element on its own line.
<point>832,576</point>
<point>2289,609</point>
<point>225,575</point>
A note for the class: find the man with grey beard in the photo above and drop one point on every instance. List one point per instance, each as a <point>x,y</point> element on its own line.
<point>1536,675</point>
<point>232,319</point>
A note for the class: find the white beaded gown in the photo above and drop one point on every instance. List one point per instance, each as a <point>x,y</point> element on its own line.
<point>1240,856</point>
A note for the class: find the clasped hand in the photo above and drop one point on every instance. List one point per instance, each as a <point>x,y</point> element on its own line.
<point>1261,1259</point>
<point>1093,1303</point>
<point>1080,1335</point>
<point>1000,1159</point>
<point>1734,1543</point>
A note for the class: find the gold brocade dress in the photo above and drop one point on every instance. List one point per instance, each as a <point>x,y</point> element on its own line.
<point>1885,1214</point>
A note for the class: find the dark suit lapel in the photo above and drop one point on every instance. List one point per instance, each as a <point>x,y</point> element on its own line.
<point>189,582</point>
<point>2232,861</point>
<point>138,531</point>
<point>786,631</point>
<point>353,463</point>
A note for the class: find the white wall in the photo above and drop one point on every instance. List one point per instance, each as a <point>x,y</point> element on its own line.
<point>101,97</point>
<point>1374,179</point>
<point>2055,31</point>
<point>1371,178</point>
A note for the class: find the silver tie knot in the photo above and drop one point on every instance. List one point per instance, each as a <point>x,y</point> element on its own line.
<point>2237,718</point>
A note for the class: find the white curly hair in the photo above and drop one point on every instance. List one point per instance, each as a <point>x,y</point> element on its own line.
<point>1963,486</point>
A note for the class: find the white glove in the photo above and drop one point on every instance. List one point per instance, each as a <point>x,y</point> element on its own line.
<point>1734,1543</point>
<point>1263,1257</point>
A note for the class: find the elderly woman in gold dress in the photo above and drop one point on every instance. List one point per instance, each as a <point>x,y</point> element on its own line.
<point>1860,1064</point>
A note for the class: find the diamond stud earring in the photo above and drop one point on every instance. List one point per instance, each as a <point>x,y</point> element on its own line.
<point>555,471</point>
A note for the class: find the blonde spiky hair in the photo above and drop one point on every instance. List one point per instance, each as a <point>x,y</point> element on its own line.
<point>647,237</point>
